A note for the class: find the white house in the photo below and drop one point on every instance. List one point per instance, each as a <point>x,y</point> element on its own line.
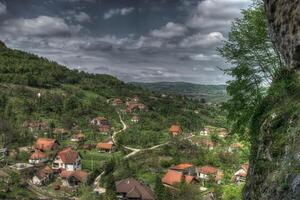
<point>241,174</point>
<point>38,157</point>
<point>67,159</point>
<point>207,173</point>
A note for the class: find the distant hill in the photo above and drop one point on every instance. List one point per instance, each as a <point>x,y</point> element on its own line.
<point>212,93</point>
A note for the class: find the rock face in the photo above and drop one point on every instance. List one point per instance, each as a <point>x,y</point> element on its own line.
<point>284,23</point>
<point>274,172</point>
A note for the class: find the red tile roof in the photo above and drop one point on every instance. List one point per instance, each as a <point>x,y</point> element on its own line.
<point>45,144</point>
<point>175,128</point>
<point>78,174</point>
<point>173,177</point>
<point>208,170</point>
<point>134,189</point>
<point>182,166</point>
<point>38,155</point>
<point>68,155</point>
<point>105,145</point>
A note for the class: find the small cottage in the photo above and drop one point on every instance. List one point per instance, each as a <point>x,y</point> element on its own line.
<point>185,168</point>
<point>173,178</point>
<point>135,119</point>
<point>175,130</point>
<point>67,159</point>
<point>106,147</point>
<point>73,178</point>
<point>117,102</point>
<point>38,157</point>
<point>241,174</point>
<point>43,176</point>
<point>99,121</point>
<point>210,173</point>
<point>46,144</point>
<point>79,137</point>
<point>131,189</point>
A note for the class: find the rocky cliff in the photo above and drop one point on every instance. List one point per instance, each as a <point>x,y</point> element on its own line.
<point>275,131</point>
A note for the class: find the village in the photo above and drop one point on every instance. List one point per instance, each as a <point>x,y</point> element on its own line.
<point>57,163</point>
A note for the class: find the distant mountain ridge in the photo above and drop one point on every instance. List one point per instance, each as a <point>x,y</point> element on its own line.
<point>212,93</point>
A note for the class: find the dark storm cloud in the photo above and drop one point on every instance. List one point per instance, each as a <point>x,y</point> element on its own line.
<point>135,40</point>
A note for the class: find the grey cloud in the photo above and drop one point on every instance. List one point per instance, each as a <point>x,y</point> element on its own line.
<point>118,11</point>
<point>40,26</point>
<point>170,30</point>
<point>3,8</point>
<point>216,14</point>
<point>82,17</point>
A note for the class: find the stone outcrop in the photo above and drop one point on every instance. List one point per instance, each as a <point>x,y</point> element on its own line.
<point>274,172</point>
<point>284,25</point>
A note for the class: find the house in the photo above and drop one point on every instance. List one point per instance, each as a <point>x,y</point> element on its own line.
<point>241,174</point>
<point>36,126</point>
<point>135,119</point>
<point>73,178</point>
<point>206,143</point>
<point>67,159</point>
<point>135,99</point>
<point>117,102</point>
<point>79,137</point>
<point>210,173</point>
<point>185,168</point>
<point>46,144</point>
<point>133,106</point>
<point>99,121</point>
<point>106,146</point>
<point>131,189</point>
<point>42,176</point>
<point>60,131</point>
<point>222,132</point>
<point>38,157</point>
<point>175,130</point>
<point>234,147</point>
<point>173,177</point>
<point>104,129</point>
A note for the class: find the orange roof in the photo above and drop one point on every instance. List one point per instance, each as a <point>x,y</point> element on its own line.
<point>105,145</point>
<point>208,170</point>
<point>78,174</point>
<point>68,155</point>
<point>45,144</point>
<point>38,155</point>
<point>175,128</point>
<point>173,177</point>
<point>79,136</point>
<point>237,145</point>
<point>245,166</point>
<point>182,166</point>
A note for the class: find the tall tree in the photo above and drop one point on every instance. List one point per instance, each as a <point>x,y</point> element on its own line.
<point>255,61</point>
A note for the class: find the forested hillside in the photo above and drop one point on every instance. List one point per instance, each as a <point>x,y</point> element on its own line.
<point>208,93</point>
<point>42,99</point>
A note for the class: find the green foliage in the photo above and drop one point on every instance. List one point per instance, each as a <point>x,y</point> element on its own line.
<point>255,62</point>
<point>232,192</point>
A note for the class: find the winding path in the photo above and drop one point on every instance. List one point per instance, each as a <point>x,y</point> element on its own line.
<point>135,151</point>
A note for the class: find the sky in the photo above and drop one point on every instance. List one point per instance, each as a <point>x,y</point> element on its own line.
<point>134,40</point>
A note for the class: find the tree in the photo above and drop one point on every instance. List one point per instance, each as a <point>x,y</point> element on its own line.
<point>159,189</point>
<point>255,61</point>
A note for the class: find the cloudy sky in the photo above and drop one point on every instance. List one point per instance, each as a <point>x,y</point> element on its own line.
<point>135,40</point>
